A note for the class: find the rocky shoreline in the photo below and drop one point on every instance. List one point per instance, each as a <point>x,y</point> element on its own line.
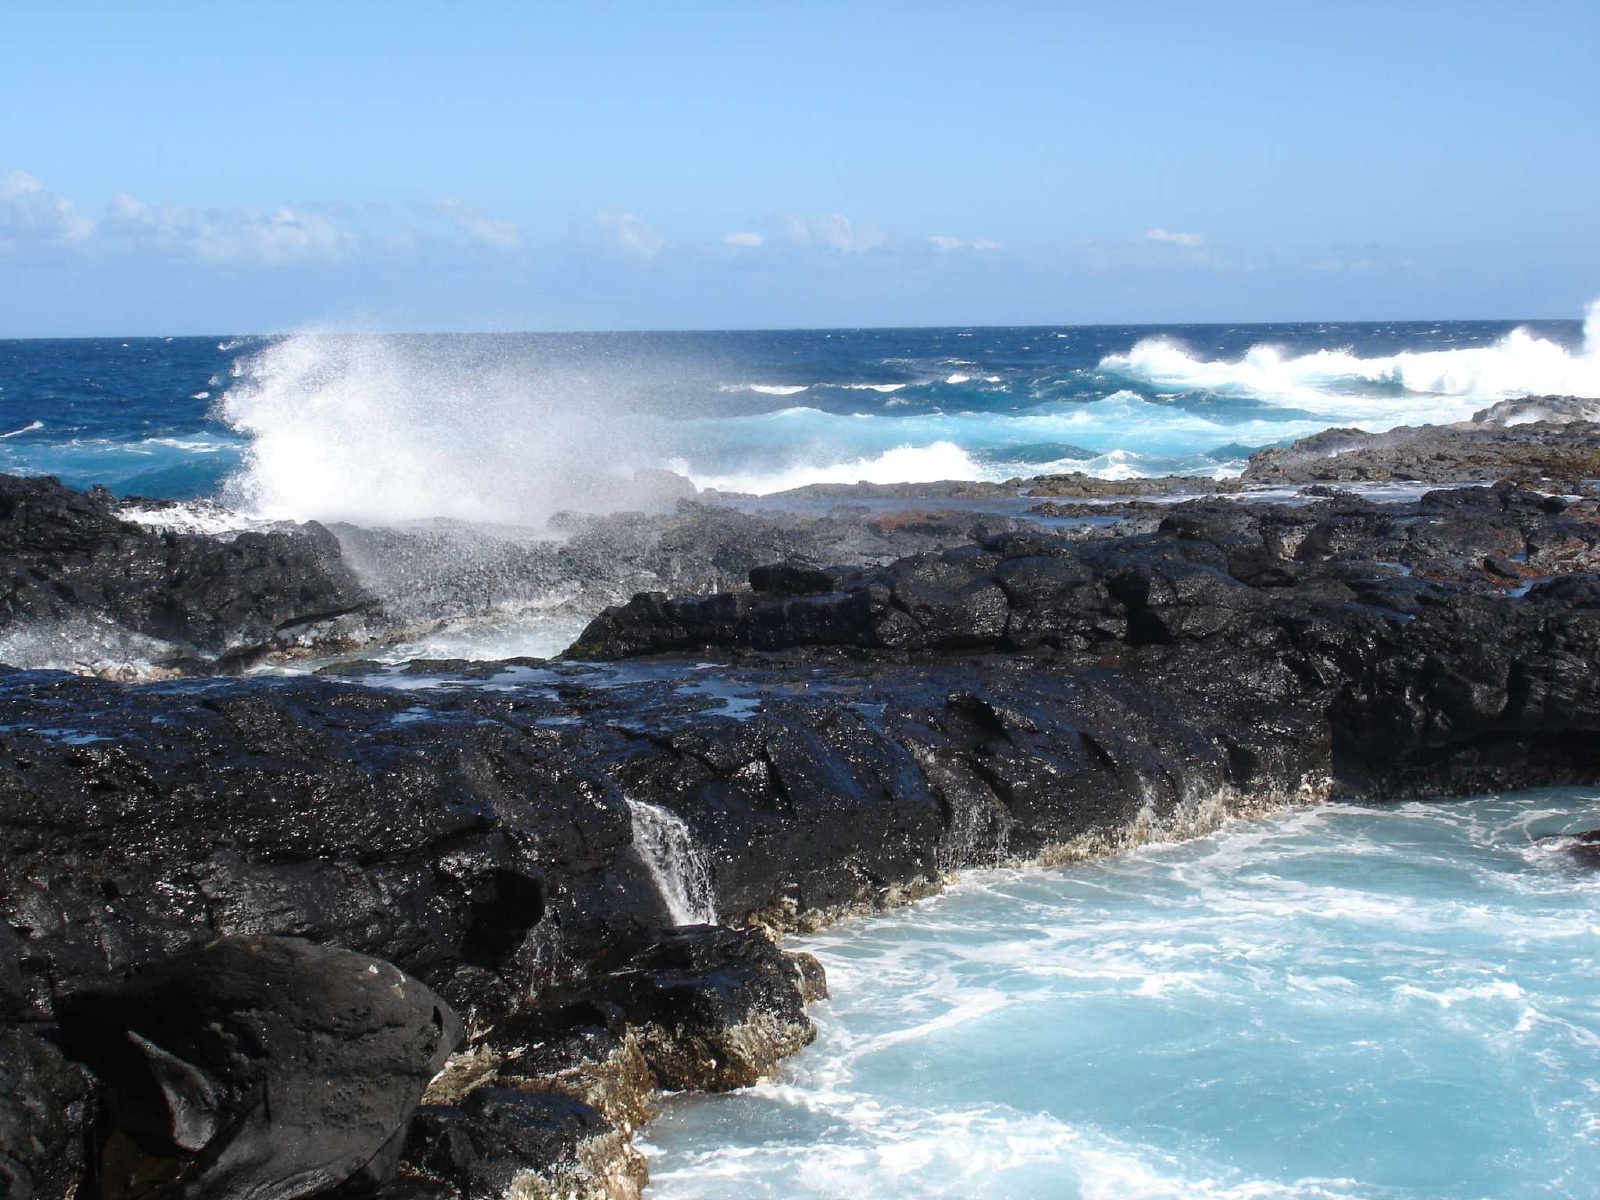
<point>441,929</point>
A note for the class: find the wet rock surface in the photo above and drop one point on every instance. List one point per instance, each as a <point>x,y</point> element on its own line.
<point>1549,438</point>
<point>253,1065</point>
<point>508,1142</point>
<point>831,738</point>
<point>433,573</point>
<point>194,601</point>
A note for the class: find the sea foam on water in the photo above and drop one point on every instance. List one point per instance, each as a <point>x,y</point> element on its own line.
<point>1384,1003</point>
<point>379,429</point>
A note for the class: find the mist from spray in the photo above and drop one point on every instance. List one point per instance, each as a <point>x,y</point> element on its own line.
<point>383,430</point>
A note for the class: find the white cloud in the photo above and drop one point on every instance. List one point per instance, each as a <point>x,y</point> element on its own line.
<point>1176,239</point>
<point>742,239</point>
<point>33,216</point>
<point>31,213</point>
<point>625,233</point>
<point>479,226</point>
<point>287,235</point>
<point>948,245</point>
<point>835,231</point>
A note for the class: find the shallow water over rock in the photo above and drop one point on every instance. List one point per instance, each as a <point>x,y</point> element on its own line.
<point>1379,1002</point>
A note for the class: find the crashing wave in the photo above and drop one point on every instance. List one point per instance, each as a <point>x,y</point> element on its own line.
<point>384,430</point>
<point>1432,385</point>
<point>900,464</point>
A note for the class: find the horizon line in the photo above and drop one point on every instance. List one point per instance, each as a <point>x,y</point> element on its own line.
<point>618,331</point>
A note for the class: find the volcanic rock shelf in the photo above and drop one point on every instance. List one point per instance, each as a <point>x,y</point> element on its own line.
<point>832,741</point>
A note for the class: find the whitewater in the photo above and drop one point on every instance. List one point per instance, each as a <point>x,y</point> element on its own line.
<point>1340,1003</point>
<point>1346,1003</point>
<point>377,429</point>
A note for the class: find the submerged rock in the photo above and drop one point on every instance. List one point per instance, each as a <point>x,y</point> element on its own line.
<point>1584,847</point>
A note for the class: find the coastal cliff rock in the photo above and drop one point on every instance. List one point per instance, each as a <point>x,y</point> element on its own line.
<point>1550,438</point>
<point>75,571</point>
<point>830,740</point>
<point>1211,568</point>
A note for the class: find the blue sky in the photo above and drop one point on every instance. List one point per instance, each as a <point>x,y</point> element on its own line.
<point>171,168</point>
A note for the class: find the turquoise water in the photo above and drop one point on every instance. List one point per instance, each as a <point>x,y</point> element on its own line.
<point>1375,1002</point>
<point>514,427</point>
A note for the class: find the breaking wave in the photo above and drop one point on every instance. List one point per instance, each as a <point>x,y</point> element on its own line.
<point>1383,391</point>
<point>902,464</point>
<point>379,430</point>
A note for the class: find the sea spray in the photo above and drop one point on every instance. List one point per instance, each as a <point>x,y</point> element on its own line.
<point>676,865</point>
<point>510,428</point>
<point>380,430</point>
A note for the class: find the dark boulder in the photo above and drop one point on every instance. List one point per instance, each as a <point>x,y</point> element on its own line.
<point>503,1142</point>
<point>207,601</point>
<point>255,1067</point>
<point>715,1008</point>
<point>44,1106</point>
<point>790,579</point>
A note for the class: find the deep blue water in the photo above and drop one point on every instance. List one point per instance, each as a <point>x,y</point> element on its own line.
<point>489,425</point>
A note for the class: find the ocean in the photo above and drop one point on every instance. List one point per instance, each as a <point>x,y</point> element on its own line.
<point>1373,1003</point>
<point>511,428</point>
<point>1396,1002</point>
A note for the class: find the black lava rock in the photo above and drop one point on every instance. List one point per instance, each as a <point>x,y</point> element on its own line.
<point>500,1138</point>
<point>213,601</point>
<point>255,1066</point>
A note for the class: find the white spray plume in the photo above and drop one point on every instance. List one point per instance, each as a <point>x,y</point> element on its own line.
<point>379,430</point>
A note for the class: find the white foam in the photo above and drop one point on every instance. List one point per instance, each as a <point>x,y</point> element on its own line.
<point>1499,989</point>
<point>955,1153</point>
<point>197,516</point>
<point>1434,385</point>
<point>1390,954</point>
<point>85,646</point>
<point>29,428</point>
<point>766,389</point>
<point>532,630</point>
<point>903,464</point>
